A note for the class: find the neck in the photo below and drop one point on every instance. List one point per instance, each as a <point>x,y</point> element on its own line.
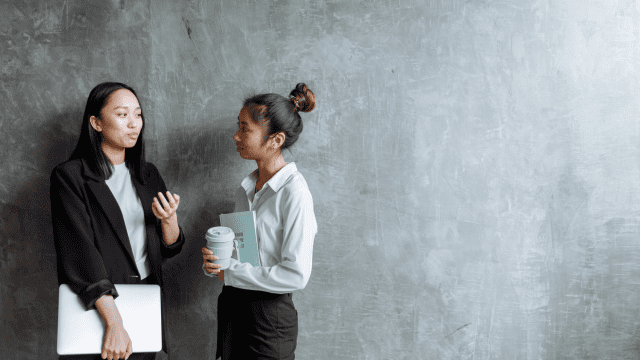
<point>115,156</point>
<point>269,167</point>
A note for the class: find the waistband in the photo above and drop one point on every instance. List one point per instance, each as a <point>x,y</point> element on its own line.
<point>253,294</point>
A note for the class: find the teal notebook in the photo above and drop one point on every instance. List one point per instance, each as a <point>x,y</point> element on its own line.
<point>243,225</point>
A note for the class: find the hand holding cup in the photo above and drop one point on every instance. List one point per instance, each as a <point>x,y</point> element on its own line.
<point>208,257</point>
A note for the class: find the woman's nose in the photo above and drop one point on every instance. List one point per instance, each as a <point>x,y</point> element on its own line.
<point>134,121</point>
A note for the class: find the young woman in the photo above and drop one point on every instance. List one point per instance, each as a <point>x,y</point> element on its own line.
<point>256,315</point>
<point>112,223</point>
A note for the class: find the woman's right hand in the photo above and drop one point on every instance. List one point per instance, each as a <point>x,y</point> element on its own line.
<point>117,344</point>
<point>210,267</point>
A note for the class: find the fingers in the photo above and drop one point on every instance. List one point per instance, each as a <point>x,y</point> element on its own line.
<point>158,210</point>
<point>129,350</point>
<point>212,268</point>
<point>173,200</point>
<point>209,267</point>
<point>208,254</point>
<point>165,203</point>
<point>117,344</point>
<point>106,344</point>
<point>163,207</point>
<point>208,261</point>
<point>162,211</point>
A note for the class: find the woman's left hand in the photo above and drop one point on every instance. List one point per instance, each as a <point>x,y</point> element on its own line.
<point>165,208</point>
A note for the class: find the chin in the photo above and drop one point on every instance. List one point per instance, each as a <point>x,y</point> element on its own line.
<point>246,156</point>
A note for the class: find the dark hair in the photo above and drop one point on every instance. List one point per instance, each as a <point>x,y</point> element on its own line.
<point>282,113</point>
<point>89,145</point>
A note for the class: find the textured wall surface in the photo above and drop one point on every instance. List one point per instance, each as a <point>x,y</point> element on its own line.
<point>474,164</point>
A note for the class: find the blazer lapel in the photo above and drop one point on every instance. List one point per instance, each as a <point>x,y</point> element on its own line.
<point>146,199</point>
<point>107,202</point>
<point>146,195</point>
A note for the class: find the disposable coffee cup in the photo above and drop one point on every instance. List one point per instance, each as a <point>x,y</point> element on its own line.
<point>220,244</point>
<point>220,240</point>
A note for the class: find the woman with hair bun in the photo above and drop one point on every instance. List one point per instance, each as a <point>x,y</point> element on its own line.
<point>256,315</point>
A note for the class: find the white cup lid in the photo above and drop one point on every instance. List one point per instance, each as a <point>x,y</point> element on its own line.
<point>220,233</point>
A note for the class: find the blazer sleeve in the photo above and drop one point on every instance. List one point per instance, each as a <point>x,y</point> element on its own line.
<point>167,251</point>
<point>78,258</point>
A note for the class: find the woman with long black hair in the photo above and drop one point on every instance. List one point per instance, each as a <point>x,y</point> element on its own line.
<point>113,219</point>
<point>256,315</point>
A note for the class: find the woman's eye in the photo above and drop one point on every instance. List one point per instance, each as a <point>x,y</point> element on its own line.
<point>122,115</point>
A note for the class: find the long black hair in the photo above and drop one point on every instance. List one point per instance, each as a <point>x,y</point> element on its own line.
<point>89,145</point>
<point>281,113</point>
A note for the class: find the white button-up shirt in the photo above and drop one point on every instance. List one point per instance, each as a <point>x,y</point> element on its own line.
<point>285,227</point>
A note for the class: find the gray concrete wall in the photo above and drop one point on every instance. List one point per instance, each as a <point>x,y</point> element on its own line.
<point>474,164</point>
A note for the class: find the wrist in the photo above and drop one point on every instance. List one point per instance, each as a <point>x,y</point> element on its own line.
<point>170,220</point>
<point>113,322</point>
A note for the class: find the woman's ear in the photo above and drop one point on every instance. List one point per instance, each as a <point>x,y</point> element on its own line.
<point>278,139</point>
<point>95,123</point>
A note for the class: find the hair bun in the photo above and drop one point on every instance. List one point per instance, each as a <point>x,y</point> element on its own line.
<point>303,98</point>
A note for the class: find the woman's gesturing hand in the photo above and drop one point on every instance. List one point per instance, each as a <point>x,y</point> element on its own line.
<point>117,344</point>
<point>165,208</point>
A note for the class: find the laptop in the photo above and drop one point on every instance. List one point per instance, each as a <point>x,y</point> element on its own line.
<point>81,331</point>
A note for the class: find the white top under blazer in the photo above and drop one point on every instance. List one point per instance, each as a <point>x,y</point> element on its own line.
<point>122,188</point>
<point>285,227</point>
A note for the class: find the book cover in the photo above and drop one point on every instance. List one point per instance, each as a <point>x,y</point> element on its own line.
<point>243,225</point>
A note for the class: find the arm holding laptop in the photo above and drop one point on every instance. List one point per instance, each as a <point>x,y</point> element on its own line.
<point>117,343</point>
<point>80,264</point>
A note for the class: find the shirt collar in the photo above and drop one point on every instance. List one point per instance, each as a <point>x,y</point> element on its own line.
<point>276,182</point>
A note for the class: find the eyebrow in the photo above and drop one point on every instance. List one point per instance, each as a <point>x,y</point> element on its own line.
<point>126,107</point>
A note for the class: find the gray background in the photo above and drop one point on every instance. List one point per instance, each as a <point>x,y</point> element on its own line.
<point>474,164</point>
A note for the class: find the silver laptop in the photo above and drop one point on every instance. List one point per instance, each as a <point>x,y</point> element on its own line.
<point>81,331</point>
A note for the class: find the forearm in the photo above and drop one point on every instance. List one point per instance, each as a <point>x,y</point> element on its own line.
<point>281,278</point>
<point>107,308</point>
<point>170,229</point>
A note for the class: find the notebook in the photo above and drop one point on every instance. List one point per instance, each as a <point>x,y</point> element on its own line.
<point>81,331</point>
<point>243,225</point>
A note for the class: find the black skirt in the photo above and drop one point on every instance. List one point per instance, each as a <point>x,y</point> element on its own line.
<point>256,325</point>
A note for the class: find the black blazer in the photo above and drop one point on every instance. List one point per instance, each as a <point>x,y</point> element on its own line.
<point>92,245</point>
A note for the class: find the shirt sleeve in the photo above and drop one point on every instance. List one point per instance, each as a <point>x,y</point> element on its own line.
<point>79,259</point>
<point>293,272</point>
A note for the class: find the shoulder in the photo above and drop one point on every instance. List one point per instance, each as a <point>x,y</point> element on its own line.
<point>69,169</point>
<point>296,186</point>
<point>151,170</point>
